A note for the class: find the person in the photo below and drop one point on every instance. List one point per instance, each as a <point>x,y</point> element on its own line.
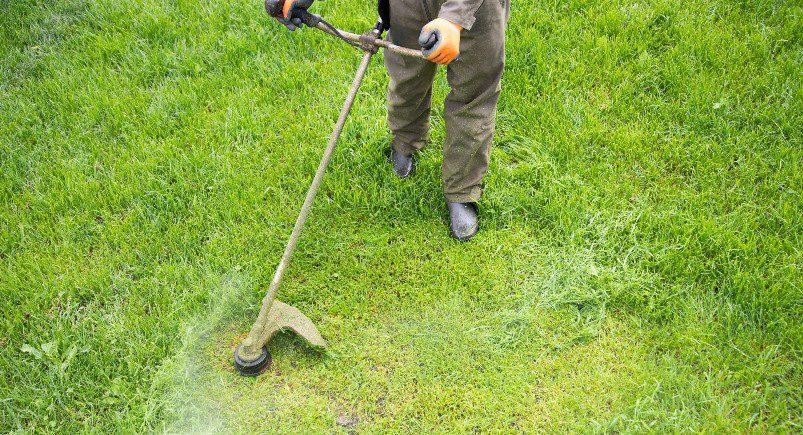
<point>471,44</point>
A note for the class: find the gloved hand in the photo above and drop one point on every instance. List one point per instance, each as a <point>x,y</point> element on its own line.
<point>286,11</point>
<point>447,44</point>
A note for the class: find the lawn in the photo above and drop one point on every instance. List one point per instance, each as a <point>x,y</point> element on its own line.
<point>638,267</point>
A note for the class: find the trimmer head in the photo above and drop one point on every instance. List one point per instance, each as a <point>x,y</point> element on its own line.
<point>249,362</point>
<point>252,368</point>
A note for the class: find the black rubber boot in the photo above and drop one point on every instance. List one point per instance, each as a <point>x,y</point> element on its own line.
<point>402,165</point>
<point>464,222</point>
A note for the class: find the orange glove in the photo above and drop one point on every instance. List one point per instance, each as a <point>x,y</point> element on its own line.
<point>287,11</point>
<point>446,40</point>
<point>290,6</point>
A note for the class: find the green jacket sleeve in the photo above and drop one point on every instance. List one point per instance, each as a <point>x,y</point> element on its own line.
<point>460,12</point>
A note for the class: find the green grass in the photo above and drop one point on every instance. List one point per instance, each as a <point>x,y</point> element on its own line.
<point>638,267</point>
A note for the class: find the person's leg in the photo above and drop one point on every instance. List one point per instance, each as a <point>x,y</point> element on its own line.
<point>410,88</point>
<point>471,105</point>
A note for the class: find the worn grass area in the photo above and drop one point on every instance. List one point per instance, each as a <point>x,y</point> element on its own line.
<point>638,267</point>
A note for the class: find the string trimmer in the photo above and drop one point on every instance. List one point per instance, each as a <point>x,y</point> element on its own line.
<point>251,357</point>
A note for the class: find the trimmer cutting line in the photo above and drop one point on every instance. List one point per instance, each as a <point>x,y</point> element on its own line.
<point>251,357</point>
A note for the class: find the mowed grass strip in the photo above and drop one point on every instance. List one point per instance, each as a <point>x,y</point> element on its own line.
<point>638,267</point>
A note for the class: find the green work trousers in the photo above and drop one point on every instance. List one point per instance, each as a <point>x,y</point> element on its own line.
<point>474,79</point>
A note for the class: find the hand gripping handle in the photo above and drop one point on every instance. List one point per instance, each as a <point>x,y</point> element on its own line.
<point>431,42</point>
<point>274,8</point>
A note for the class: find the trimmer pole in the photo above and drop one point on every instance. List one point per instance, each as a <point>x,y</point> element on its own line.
<point>251,357</point>
<point>251,350</point>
